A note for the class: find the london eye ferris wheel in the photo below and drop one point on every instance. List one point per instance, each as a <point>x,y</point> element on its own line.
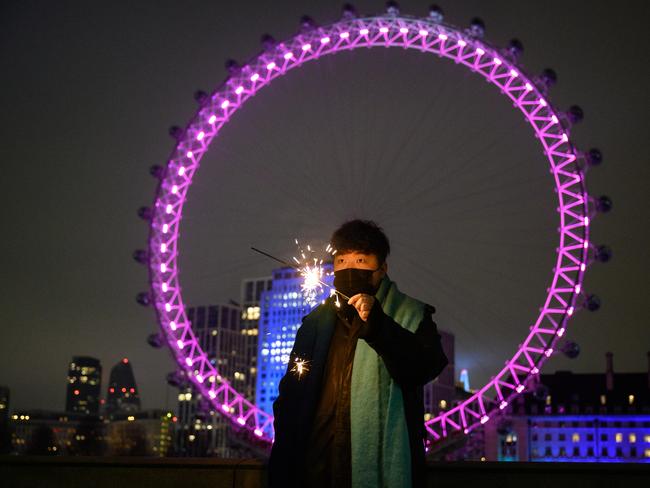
<point>438,42</point>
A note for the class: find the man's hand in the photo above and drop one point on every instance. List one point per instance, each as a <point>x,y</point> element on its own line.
<point>363,303</point>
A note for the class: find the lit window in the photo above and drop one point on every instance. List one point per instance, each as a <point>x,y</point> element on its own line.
<point>603,399</point>
<point>632,437</point>
<point>548,399</point>
<point>575,437</point>
<point>630,399</point>
<point>619,437</point>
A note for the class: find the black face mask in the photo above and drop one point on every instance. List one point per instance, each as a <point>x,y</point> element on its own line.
<point>351,281</point>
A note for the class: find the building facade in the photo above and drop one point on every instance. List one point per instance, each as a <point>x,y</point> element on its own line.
<point>218,331</point>
<point>576,417</point>
<point>251,296</point>
<point>84,385</point>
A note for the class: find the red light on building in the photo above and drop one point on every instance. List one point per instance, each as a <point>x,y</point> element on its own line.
<point>123,390</point>
<point>102,401</point>
<point>111,389</point>
<point>174,419</point>
<point>76,392</point>
<point>132,390</point>
<point>125,360</point>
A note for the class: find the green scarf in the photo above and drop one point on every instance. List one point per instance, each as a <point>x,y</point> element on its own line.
<point>381,455</point>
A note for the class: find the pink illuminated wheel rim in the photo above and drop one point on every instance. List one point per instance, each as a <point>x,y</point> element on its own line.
<point>464,48</point>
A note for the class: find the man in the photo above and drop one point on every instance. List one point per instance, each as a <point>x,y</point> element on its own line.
<point>355,416</point>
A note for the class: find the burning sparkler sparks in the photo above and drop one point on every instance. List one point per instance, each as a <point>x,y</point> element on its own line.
<point>310,267</point>
<point>300,367</point>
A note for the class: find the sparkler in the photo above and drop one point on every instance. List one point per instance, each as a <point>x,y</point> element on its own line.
<point>311,269</point>
<point>300,367</point>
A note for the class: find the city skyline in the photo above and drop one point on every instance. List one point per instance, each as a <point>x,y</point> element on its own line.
<point>284,282</point>
<point>565,416</point>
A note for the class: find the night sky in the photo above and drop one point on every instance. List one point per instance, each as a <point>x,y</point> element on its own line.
<point>428,149</point>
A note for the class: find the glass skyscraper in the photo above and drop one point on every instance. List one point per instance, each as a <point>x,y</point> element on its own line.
<point>84,385</point>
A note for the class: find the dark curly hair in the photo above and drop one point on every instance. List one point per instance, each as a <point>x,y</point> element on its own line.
<point>362,236</point>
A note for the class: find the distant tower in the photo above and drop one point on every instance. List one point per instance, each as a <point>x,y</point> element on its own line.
<point>123,395</point>
<point>84,385</point>
<point>282,309</point>
<point>464,379</point>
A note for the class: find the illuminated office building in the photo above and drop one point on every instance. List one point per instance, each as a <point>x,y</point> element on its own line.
<point>123,395</point>
<point>201,430</point>
<point>84,385</point>
<point>218,331</point>
<point>281,311</point>
<point>251,295</point>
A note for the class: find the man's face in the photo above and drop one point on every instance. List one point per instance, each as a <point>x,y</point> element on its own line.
<point>359,260</point>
